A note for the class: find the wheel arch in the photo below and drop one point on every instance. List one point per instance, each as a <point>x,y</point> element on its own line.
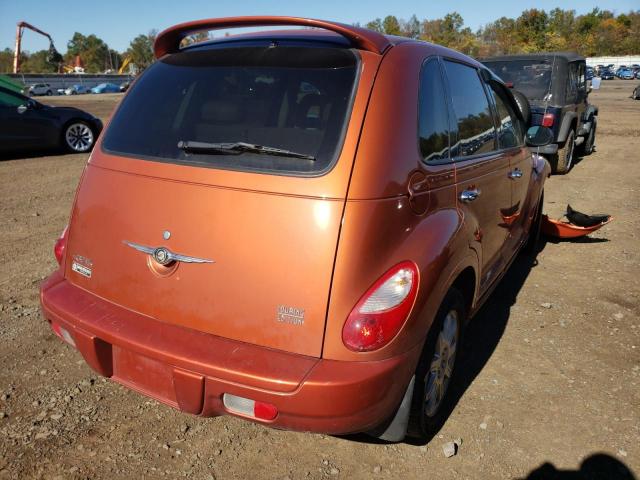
<point>466,283</point>
<point>569,121</point>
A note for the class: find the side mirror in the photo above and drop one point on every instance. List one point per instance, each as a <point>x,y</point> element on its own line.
<point>538,136</point>
<point>30,104</point>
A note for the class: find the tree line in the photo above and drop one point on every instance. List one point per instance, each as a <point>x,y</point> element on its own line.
<point>597,33</point>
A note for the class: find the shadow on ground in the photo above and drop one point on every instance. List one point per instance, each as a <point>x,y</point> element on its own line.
<point>26,154</point>
<point>598,466</point>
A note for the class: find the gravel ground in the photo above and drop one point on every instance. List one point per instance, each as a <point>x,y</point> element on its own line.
<point>550,372</point>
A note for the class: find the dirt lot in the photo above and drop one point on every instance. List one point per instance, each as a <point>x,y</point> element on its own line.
<point>551,372</point>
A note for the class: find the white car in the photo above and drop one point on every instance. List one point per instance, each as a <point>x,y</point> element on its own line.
<point>40,89</point>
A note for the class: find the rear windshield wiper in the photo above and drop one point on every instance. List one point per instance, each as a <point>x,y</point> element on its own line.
<point>237,148</point>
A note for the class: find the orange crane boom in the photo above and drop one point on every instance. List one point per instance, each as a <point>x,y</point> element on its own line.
<point>19,30</point>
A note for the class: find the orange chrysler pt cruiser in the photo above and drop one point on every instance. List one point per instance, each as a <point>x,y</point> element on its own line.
<point>293,226</point>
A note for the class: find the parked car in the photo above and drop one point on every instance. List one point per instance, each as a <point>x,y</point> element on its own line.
<point>626,74</point>
<point>313,249</point>
<point>105,88</point>
<point>60,91</point>
<point>590,73</point>
<point>607,75</point>
<point>40,89</point>
<point>556,87</point>
<point>26,124</point>
<point>77,90</point>
<point>125,86</point>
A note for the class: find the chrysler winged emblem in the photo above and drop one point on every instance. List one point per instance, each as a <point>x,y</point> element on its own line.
<point>164,256</point>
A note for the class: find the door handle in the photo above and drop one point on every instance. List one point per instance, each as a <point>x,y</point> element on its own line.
<point>515,174</point>
<point>468,196</point>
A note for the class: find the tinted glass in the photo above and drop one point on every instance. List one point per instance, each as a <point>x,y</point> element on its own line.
<point>510,133</point>
<point>476,131</point>
<point>531,77</point>
<point>10,99</point>
<point>433,121</point>
<point>292,98</point>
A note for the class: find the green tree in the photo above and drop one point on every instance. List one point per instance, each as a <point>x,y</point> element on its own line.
<point>391,25</point>
<point>36,62</point>
<point>6,61</point>
<point>531,30</point>
<point>141,50</point>
<point>497,38</point>
<point>93,52</point>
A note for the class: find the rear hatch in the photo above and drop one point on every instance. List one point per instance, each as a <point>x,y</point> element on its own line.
<point>262,226</point>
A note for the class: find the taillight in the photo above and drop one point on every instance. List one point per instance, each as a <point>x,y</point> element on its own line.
<point>59,247</point>
<point>378,316</point>
<point>548,119</point>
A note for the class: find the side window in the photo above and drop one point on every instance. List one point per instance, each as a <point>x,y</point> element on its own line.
<point>510,129</point>
<point>433,119</point>
<point>9,99</point>
<point>476,130</point>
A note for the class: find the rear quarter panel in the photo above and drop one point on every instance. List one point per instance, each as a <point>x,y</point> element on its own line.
<point>382,226</point>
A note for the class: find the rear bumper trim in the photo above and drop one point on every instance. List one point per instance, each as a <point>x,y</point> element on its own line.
<point>191,370</point>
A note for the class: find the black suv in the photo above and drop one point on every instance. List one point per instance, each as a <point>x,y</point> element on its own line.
<point>556,86</point>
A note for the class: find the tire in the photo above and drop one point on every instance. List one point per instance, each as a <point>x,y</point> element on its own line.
<point>523,105</point>
<point>78,137</point>
<point>589,145</point>
<point>49,93</point>
<point>531,247</point>
<point>431,405</point>
<point>564,157</point>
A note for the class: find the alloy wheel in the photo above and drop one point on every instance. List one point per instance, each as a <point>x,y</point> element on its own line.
<point>442,364</point>
<point>79,137</point>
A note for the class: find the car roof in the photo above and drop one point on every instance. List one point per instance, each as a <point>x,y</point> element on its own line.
<point>568,56</point>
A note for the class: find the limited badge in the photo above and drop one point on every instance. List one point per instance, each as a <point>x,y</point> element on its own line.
<point>292,315</point>
<point>82,265</point>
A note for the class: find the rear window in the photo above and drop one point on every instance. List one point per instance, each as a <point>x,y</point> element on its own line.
<point>531,77</point>
<point>290,98</point>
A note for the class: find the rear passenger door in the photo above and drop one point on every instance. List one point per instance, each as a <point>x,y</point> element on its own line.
<point>511,143</point>
<point>482,183</point>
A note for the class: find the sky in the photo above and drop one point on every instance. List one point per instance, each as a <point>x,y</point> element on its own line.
<point>117,22</point>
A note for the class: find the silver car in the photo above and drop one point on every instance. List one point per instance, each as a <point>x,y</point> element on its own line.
<point>77,90</point>
<point>40,89</point>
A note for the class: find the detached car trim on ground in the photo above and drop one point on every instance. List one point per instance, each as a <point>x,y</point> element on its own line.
<point>295,238</point>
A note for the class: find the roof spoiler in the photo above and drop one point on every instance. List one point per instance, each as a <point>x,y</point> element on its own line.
<point>168,41</point>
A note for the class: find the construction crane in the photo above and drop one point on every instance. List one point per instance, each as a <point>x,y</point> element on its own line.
<point>53,55</point>
<point>124,65</point>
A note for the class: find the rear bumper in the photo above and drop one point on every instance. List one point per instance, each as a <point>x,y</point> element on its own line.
<point>191,370</point>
